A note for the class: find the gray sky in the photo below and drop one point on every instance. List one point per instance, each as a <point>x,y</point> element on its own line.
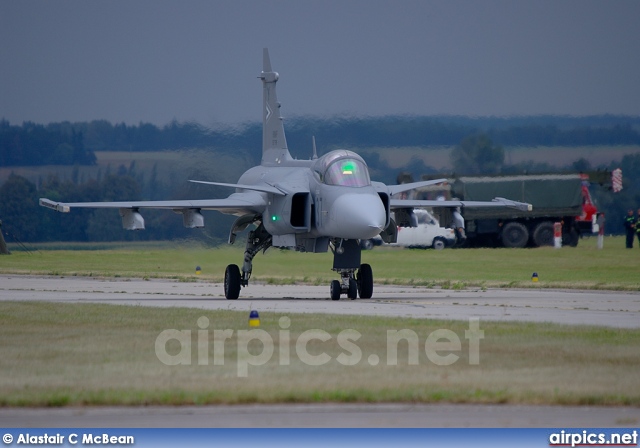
<point>155,61</point>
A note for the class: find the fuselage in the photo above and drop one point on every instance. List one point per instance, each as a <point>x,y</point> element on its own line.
<point>335,191</point>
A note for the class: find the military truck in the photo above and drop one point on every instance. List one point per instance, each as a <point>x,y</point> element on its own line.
<point>555,198</point>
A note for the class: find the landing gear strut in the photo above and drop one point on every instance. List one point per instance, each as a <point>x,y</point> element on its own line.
<point>356,278</point>
<point>348,286</point>
<point>258,239</point>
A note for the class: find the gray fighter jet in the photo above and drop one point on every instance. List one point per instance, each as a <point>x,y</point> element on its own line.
<point>327,202</point>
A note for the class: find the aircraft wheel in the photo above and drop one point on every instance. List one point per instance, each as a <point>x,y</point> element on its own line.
<point>336,289</point>
<point>232,282</point>
<point>353,289</point>
<point>365,281</point>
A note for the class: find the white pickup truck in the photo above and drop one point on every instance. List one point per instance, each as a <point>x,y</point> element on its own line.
<point>428,233</point>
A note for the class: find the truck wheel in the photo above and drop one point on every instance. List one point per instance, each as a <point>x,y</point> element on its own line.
<point>439,244</point>
<point>515,234</point>
<point>571,238</point>
<point>366,244</point>
<point>543,234</point>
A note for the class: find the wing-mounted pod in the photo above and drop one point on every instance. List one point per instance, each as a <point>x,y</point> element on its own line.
<point>191,217</point>
<point>131,219</point>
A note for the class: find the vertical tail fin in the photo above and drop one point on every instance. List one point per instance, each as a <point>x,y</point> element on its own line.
<point>314,156</point>
<point>274,141</point>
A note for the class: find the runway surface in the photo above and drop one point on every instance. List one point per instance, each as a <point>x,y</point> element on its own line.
<point>605,308</point>
<point>324,416</point>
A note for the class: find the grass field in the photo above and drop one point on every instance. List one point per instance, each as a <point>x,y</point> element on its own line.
<point>56,354</point>
<point>585,267</point>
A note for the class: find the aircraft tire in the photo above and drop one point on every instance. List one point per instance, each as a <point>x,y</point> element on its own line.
<point>336,290</point>
<point>353,289</point>
<point>365,281</point>
<point>232,282</point>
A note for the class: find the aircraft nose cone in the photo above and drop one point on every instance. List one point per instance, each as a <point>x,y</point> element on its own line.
<point>358,216</point>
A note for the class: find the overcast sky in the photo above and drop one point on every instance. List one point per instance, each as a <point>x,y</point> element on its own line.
<point>156,61</point>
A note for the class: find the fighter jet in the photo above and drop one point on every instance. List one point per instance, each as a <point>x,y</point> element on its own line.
<point>324,203</point>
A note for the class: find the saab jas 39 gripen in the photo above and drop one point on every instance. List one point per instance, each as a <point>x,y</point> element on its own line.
<point>327,202</point>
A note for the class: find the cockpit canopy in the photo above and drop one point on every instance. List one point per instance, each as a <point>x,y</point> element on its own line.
<point>343,168</point>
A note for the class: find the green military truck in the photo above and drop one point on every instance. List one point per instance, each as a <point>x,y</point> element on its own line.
<point>555,198</point>
<point>562,198</point>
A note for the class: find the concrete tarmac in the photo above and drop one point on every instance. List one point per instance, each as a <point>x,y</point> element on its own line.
<point>603,308</point>
<point>392,415</point>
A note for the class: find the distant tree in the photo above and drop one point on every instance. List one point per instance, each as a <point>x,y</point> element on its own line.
<point>81,155</point>
<point>581,165</point>
<point>33,144</point>
<point>477,154</point>
<point>3,244</point>
<point>105,224</point>
<point>63,154</point>
<point>19,207</point>
<point>529,167</point>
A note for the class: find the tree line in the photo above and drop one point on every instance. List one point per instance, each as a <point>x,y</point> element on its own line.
<point>33,144</point>
<point>23,220</point>
<point>475,151</point>
<point>75,143</point>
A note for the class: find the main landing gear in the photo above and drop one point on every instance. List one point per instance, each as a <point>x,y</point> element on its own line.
<point>353,283</point>
<point>258,239</point>
<point>356,278</point>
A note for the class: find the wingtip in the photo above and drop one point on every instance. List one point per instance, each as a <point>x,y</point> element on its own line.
<point>44,202</point>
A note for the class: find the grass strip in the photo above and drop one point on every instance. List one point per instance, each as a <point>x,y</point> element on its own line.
<point>57,354</point>
<point>583,267</point>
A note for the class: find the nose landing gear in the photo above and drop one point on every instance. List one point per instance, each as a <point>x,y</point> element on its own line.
<point>356,278</point>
